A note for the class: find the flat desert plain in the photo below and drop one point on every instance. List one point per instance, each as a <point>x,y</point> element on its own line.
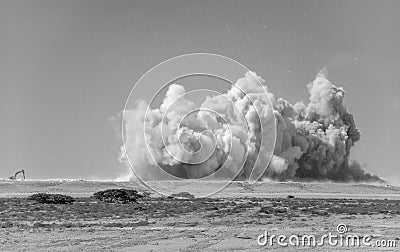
<point>230,220</point>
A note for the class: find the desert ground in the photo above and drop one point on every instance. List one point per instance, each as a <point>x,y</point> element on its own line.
<point>227,221</point>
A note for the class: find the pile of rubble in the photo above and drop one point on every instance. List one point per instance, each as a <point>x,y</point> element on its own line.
<point>124,196</point>
<point>46,198</point>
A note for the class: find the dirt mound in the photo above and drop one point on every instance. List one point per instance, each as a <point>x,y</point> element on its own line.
<point>124,196</point>
<point>46,198</point>
<point>182,195</point>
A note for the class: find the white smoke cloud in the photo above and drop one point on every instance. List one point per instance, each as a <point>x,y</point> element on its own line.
<point>313,140</point>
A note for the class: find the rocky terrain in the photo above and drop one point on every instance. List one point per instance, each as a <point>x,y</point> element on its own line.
<point>229,220</point>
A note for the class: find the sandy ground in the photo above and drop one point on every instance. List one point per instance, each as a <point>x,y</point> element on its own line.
<point>228,221</point>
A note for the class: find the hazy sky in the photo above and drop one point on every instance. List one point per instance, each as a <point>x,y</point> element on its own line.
<point>66,67</point>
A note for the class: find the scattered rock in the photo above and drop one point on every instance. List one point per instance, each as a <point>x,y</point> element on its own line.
<point>290,197</point>
<point>265,210</point>
<point>243,236</point>
<point>182,195</point>
<point>124,196</point>
<point>46,198</point>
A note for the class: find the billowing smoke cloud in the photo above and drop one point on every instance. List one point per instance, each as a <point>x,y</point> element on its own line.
<point>313,140</point>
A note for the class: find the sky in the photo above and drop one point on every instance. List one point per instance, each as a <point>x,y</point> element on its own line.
<point>67,67</point>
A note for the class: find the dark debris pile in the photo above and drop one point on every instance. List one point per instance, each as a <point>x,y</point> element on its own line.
<point>124,196</point>
<point>46,198</point>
